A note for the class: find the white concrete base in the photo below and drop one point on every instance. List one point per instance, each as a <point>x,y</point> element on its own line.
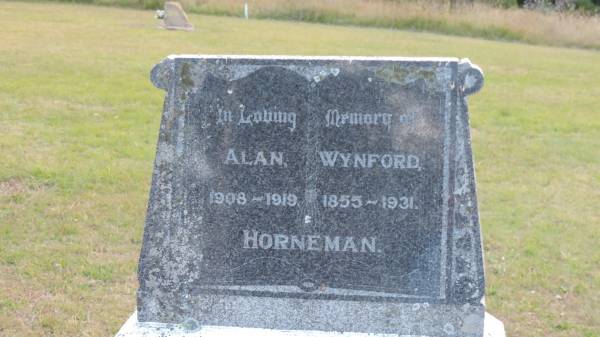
<point>132,328</point>
<point>493,327</point>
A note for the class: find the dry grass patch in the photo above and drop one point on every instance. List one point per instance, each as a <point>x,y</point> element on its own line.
<point>477,19</point>
<point>12,187</point>
<point>20,187</point>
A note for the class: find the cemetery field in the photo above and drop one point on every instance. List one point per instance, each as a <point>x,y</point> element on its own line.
<point>79,122</point>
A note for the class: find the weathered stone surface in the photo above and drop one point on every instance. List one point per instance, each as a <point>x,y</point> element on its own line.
<point>332,194</point>
<point>132,328</point>
<point>175,17</point>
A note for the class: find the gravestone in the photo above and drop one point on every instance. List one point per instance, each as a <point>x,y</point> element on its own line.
<point>332,194</point>
<point>174,17</point>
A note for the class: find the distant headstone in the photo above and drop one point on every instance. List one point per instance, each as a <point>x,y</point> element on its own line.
<point>174,17</point>
<point>314,193</point>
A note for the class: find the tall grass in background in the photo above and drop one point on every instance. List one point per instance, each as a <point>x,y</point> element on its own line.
<point>475,19</point>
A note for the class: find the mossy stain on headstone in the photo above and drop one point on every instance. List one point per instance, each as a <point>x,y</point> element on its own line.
<point>405,75</point>
<point>186,76</point>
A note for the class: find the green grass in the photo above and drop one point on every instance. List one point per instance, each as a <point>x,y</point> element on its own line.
<point>79,120</point>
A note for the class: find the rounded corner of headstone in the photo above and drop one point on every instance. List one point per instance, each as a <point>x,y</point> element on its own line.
<point>160,75</point>
<point>471,77</point>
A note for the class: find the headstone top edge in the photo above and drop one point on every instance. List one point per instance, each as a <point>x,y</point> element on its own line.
<point>310,58</point>
<point>471,76</point>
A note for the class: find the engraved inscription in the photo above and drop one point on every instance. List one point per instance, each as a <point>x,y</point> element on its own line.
<point>258,117</point>
<point>254,239</point>
<point>369,160</point>
<point>257,158</point>
<point>333,117</point>
<point>358,201</point>
<point>243,198</point>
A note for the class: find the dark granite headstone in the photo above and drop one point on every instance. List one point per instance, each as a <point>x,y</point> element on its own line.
<point>330,193</point>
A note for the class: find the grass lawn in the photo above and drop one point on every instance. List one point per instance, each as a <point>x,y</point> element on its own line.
<point>79,121</point>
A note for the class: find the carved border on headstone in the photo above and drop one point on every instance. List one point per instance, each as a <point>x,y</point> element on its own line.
<point>467,274</point>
